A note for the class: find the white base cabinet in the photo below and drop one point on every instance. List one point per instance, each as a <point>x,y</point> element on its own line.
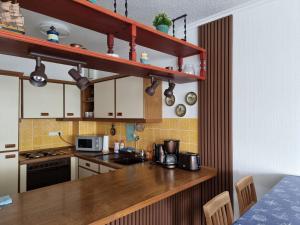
<point>9,167</point>
<point>74,168</point>
<point>82,173</point>
<point>87,168</point>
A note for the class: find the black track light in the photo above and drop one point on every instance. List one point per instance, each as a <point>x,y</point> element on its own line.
<point>151,89</point>
<point>38,78</point>
<point>81,82</point>
<point>169,91</point>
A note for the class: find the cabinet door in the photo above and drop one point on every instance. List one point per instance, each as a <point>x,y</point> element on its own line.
<point>104,97</point>
<point>9,113</point>
<point>85,173</point>
<point>74,168</point>
<point>8,173</point>
<point>72,101</point>
<point>42,102</point>
<point>130,97</point>
<point>105,169</point>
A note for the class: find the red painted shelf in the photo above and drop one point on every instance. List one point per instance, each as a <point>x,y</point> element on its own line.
<point>21,45</point>
<point>94,17</point>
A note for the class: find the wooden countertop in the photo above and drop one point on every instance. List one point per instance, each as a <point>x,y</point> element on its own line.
<point>100,199</point>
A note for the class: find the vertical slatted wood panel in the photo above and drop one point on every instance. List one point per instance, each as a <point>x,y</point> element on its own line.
<point>215,106</point>
<point>183,208</point>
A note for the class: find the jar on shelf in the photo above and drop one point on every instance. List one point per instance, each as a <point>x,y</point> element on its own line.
<point>53,35</point>
<point>189,69</point>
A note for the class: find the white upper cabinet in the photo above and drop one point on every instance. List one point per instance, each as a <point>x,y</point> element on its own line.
<point>42,102</point>
<point>130,97</point>
<point>72,101</point>
<point>9,113</point>
<point>104,99</point>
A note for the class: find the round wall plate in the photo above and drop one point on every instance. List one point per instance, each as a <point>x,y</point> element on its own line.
<point>180,110</point>
<point>170,100</point>
<point>191,98</point>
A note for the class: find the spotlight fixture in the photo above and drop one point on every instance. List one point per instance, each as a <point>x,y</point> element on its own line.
<point>38,78</point>
<point>151,89</point>
<point>81,82</point>
<point>169,91</point>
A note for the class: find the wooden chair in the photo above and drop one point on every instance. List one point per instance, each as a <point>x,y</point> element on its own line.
<point>246,194</point>
<point>218,211</point>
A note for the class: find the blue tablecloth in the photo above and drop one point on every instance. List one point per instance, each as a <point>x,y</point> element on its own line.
<point>281,206</point>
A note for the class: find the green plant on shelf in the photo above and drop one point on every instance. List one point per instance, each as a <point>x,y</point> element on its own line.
<point>162,19</point>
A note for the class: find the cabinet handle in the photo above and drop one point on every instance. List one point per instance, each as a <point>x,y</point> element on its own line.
<point>70,114</point>
<point>87,164</point>
<point>11,156</point>
<point>44,114</point>
<point>119,114</point>
<point>110,114</point>
<point>10,146</point>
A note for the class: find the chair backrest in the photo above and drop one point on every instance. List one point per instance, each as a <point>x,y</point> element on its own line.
<point>246,194</point>
<point>218,211</point>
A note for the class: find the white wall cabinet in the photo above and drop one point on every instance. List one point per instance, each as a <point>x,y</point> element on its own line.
<point>130,97</point>
<point>9,173</point>
<point>104,97</point>
<point>72,101</point>
<point>9,113</point>
<point>42,102</point>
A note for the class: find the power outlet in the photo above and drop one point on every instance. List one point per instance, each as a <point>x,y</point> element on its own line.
<point>55,133</point>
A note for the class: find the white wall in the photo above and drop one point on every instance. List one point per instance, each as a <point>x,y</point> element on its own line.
<point>266,92</point>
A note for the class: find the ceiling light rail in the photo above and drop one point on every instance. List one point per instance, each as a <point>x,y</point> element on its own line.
<point>38,77</point>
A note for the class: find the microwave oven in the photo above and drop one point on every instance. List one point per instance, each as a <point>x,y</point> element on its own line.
<point>91,143</point>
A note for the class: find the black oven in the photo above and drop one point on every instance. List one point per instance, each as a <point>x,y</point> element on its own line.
<point>47,173</point>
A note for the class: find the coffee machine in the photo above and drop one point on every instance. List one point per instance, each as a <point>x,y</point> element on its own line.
<point>166,154</point>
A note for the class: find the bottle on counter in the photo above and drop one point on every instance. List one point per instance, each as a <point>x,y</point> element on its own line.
<point>122,144</point>
<point>116,147</point>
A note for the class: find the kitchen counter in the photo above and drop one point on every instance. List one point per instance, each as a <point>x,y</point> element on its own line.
<point>69,152</point>
<point>103,198</point>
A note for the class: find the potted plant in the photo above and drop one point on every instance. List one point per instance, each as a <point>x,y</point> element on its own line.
<point>162,22</point>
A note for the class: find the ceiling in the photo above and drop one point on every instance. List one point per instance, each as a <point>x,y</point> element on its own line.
<point>142,11</point>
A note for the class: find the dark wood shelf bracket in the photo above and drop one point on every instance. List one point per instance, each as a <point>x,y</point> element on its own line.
<point>202,64</point>
<point>132,44</point>
<point>110,43</point>
<point>180,64</point>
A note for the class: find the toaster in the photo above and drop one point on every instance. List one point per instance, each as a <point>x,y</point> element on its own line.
<point>189,161</point>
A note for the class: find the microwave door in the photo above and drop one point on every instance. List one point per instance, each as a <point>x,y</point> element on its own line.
<point>85,144</point>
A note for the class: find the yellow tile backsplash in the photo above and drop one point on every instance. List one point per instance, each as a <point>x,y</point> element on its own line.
<point>34,133</point>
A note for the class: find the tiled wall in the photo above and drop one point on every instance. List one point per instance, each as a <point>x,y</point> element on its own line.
<point>186,130</point>
<point>34,133</point>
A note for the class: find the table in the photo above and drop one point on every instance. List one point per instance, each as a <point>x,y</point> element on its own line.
<point>281,206</point>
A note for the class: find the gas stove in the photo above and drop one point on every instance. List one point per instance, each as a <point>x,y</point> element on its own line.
<point>42,154</point>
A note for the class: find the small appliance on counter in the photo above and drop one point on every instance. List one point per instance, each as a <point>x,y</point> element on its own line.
<point>91,143</point>
<point>189,161</point>
<point>167,154</point>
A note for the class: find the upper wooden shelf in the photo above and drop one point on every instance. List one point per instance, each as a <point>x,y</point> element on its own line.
<point>94,17</point>
<point>21,45</point>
